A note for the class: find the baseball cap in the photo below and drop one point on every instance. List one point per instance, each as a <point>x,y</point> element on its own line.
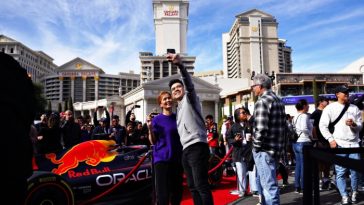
<point>322,98</point>
<point>342,89</point>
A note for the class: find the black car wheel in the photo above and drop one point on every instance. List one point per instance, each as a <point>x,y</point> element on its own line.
<point>216,176</point>
<point>49,189</point>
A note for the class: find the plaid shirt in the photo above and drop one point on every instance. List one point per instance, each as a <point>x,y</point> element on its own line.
<point>269,124</point>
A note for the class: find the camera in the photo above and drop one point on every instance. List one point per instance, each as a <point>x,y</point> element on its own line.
<point>153,114</point>
<point>171,50</point>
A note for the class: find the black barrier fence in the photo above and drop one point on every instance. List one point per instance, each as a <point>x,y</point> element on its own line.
<point>311,156</point>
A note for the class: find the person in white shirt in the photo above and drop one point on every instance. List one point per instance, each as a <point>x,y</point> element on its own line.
<point>345,135</point>
<point>303,128</point>
<point>224,129</point>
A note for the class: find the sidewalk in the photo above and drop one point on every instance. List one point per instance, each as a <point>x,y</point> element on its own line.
<point>289,197</point>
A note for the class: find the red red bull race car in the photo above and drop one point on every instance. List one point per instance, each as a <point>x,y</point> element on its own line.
<point>96,172</point>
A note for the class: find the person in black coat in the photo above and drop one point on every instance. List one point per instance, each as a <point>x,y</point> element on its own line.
<point>18,109</point>
<point>71,131</point>
<point>237,138</point>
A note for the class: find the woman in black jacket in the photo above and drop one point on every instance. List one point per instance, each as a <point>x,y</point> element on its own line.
<point>236,137</point>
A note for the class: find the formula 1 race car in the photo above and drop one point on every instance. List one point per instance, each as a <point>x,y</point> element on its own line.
<point>95,172</point>
<point>84,172</point>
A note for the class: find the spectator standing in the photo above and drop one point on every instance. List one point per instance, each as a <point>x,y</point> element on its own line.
<point>85,131</point>
<point>43,123</point>
<point>269,129</point>
<point>303,129</point>
<point>212,135</point>
<point>71,131</point>
<point>131,136</point>
<point>102,111</point>
<point>345,135</point>
<point>236,137</point>
<point>290,140</point>
<point>192,131</point>
<point>323,167</point>
<point>142,132</point>
<point>224,129</point>
<point>117,132</point>
<point>130,116</point>
<point>101,131</point>
<point>49,138</point>
<point>18,108</point>
<point>167,153</point>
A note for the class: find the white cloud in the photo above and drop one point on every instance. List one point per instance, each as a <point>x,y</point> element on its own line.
<point>208,55</point>
<point>331,21</point>
<point>109,33</point>
<point>295,8</point>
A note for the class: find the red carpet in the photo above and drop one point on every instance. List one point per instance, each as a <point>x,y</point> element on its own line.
<point>220,192</point>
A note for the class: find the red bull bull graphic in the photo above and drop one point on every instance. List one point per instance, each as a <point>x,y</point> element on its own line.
<point>121,178</point>
<point>91,152</point>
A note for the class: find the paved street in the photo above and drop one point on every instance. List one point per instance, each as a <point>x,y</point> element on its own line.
<point>289,197</point>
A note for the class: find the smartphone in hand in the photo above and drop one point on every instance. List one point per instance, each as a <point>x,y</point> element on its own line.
<point>171,50</point>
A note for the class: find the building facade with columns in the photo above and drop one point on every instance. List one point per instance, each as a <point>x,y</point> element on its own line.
<point>146,96</point>
<point>171,26</point>
<point>252,45</point>
<point>37,63</point>
<point>84,82</point>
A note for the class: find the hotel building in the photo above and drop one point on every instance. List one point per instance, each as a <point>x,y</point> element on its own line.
<point>37,63</point>
<point>84,81</point>
<point>252,45</point>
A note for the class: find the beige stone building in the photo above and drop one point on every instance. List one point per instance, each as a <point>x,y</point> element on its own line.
<point>252,45</point>
<point>37,63</point>
<point>84,81</point>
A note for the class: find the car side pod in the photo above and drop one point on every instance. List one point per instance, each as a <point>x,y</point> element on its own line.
<point>48,188</point>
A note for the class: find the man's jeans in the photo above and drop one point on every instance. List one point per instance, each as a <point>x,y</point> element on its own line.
<point>195,160</point>
<point>298,172</point>
<point>341,177</point>
<point>266,172</point>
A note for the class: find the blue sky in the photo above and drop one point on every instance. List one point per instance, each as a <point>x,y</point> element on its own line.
<point>325,35</point>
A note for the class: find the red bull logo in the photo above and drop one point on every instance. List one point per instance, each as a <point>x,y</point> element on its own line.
<point>91,152</point>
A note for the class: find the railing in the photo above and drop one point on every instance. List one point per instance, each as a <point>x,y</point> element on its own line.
<point>311,156</point>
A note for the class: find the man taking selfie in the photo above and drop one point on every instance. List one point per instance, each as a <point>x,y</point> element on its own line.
<point>192,131</point>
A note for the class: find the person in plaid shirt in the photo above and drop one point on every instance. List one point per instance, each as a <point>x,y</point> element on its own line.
<point>269,131</point>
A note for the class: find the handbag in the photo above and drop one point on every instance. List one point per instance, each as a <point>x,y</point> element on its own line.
<point>332,124</point>
<point>295,135</point>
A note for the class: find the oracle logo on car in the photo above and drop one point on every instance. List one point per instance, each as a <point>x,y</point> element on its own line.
<point>109,179</point>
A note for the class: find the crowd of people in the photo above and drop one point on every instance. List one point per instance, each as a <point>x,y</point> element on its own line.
<point>182,142</point>
<point>57,131</point>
